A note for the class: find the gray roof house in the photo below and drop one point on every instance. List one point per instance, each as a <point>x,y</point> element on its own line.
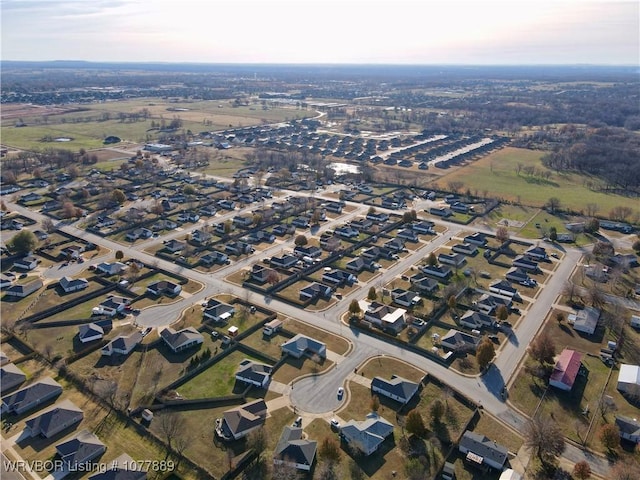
<point>482,451</point>
<point>240,421</point>
<point>438,271</point>
<point>11,377</point>
<point>476,320</point>
<point>525,263</point>
<point>164,287</point>
<point>405,298</point>
<point>302,345</point>
<point>465,249</point>
<point>122,468</point>
<point>385,316</point>
<point>69,284</point>
<point>218,311</point>
<point>488,303</point>
<point>122,345</point>
<point>397,388</point>
<point>294,450</point>
<point>315,291</point>
<point>54,420</point>
<point>26,263</point>
<point>455,259</point>
<point>90,332</point>
<point>181,339</point>
<point>113,268</point>
<point>368,435</point>
<point>477,238</point>
<point>423,284</point>
<point>255,373</point>
<point>24,290</point>
<point>82,448</point>
<point>32,396</point>
<point>629,428</point>
<point>339,278</point>
<point>585,320</point>
<point>457,341</point>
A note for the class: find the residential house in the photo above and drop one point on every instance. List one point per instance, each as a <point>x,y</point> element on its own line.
<point>24,290</point>
<point>307,251</point>
<point>465,249</point>
<point>254,373</point>
<point>537,253</point>
<point>114,268</point>
<point>30,197</point>
<point>526,264</point>
<point>388,253</point>
<point>90,332</point>
<point>81,449</point>
<point>479,239</point>
<point>226,204</point>
<point>174,246</point>
<point>359,264</point>
<point>41,235</point>
<point>164,287</point>
<point>395,244</point>
<point>518,275</point>
<point>459,342</point>
<point>138,233</point>
<point>122,468</point>
<point>301,222</point>
<point>384,316</point>
<point>11,377</point>
<point>405,298</point>
<point>72,252</point>
<point>112,306</point>
<point>585,320</point>
<point>629,379</point>
<point>441,272</point>
<point>315,291</point>
<point>378,217</point>
<point>281,230</point>
<point>361,224</point>
<point>214,257</point>
<point>397,388</point>
<point>482,451</point>
<point>629,428</point>
<point>31,396</point>
<point>441,211</point>
<point>455,259</point>
<point>502,287</point>
<point>423,284</point>
<point>208,210</point>
<point>423,227</point>
<point>371,253</point>
<point>238,248</point>
<point>54,420</point>
<point>366,436</point>
<point>200,237</point>
<point>242,222</point>
<point>339,278</point>
<point>476,320</point>
<point>218,311</point>
<point>302,345</point>
<point>6,279</point>
<point>272,327</point>
<point>239,422</point>
<point>294,450</point>
<point>334,207</point>
<point>26,263</point>
<point>346,232</point>
<point>122,344</point>
<point>260,274</point>
<point>69,284</point>
<point>635,321</point>
<point>566,370</point>
<point>408,235</point>
<point>181,339</point>
<point>261,236</point>
<point>488,303</point>
<point>284,261</point>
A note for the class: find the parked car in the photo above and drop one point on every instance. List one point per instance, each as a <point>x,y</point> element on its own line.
<point>298,422</point>
<point>335,424</point>
<point>340,393</point>
<point>146,331</point>
<point>215,335</point>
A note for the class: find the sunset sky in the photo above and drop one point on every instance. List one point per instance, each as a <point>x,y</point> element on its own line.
<point>324,31</point>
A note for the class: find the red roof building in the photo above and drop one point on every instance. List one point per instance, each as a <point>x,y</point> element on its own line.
<point>566,370</point>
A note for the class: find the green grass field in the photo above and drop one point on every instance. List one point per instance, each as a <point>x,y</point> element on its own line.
<point>496,173</point>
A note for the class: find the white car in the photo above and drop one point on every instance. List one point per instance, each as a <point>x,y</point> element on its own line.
<point>335,424</point>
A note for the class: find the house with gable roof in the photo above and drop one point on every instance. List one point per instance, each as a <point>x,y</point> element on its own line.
<point>566,370</point>
<point>368,435</point>
<point>294,450</point>
<point>397,388</point>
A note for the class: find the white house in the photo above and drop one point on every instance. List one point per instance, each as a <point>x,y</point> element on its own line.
<point>585,320</point>
<point>90,332</point>
<point>114,268</point>
<point>69,284</point>
<point>629,378</point>
<point>26,263</point>
<point>254,373</point>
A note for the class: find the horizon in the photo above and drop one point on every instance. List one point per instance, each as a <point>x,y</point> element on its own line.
<point>325,32</point>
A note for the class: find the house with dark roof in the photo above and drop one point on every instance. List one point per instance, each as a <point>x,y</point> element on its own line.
<point>218,311</point>
<point>11,377</point>
<point>397,388</point>
<point>164,287</point>
<point>442,272</point>
<point>405,298</point>
<point>482,451</point>
<point>423,284</point>
<point>302,345</point>
<point>423,227</point>
<point>254,373</point>
<point>174,246</point>
<point>260,274</point>
<point>114,268</point>
<point>180,340</point>
<point>378,217</point>
<point>24,290</point>
<point>502,287</point>
<point>526,264</point>
<point>307,251</point>
<point>122,468</point>
<point>457,341</point>
<point>455,259</point>
<point>334,207</point>
<point>69,284</point>
<point>465,249</point>
<point>315,291</point>
<point>200,237</point>
<point>138,233</point>
<point>629,428</point>
<point>122,345</point>
<point>566,370</point>
<point>488,303</point>
<point>441,211</point>
<point>408,235</point>
<point>477,238</point>
<point>384,316</point>
<point>518,275</point>
<point>395,244</point>
<point>81,449</point>
<point>214,257</point>
<point>31,396</point>
<point>359,264</point>
<point>347,232</point>
<point>239,422</point>
<point>90,332</point>
<point>366,436</point>
<point>54,420</point>
<point>339,278</point>
<point>476,320</point>
<point>283,261</point>
<point>112,306</point>
<point>537,253</point>
<point>371,253</point>
<point>294,450</point>
<point>26,263</point>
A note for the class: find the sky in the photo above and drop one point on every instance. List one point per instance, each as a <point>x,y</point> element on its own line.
<point>480,32</point>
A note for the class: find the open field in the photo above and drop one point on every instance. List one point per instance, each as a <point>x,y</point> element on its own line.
<point>496,173</point>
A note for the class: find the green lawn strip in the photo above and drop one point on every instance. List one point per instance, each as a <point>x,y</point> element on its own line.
<point>496,173</point>
<point>216,381</point>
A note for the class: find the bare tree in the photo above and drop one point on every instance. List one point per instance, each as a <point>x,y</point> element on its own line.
<point>542,349</point>
<point>544,437</point>
<point>171,425</point>
<point>257,441</point>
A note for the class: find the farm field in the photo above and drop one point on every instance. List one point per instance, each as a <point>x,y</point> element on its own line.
<point>496,173</point>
